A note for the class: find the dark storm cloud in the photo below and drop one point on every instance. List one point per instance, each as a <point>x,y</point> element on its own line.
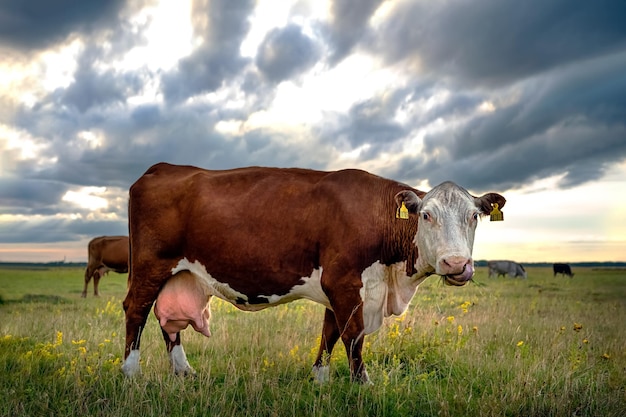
<point>285,53</point>
<point>146,115</point>
<point>58,230</point>
<point>95,88</point>
<point>34,24</point>
<point>493,42</point>
<point>222,25</point>
<point>369,122</point>
<point>588,93</point>
<point>568,151</point>
<point>571,121</point>
<point>348,25</point>
<point>25,196</point>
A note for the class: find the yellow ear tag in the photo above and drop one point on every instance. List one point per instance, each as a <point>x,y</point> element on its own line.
<point>403,212</point>
<point>496,215</point>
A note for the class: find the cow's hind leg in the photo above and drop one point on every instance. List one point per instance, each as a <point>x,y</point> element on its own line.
<point>96,280</point>
<point>136,316</point>
<point>330,335</point>
<point>178,358</point>
<point>142,293</point>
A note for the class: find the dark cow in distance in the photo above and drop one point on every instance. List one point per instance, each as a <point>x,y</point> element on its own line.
<point>562,269</point>
<point>105,253</point>
<point>259,237</point>
<point>510,268</point>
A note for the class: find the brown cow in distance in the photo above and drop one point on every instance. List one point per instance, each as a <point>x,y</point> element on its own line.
<point>257,237</point>
<point>106,253</point>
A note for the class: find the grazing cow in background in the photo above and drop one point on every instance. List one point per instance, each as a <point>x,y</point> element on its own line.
<point>562,269</point>
<point>510,268</point>
<point>259,237</point>
<point>105,253</point>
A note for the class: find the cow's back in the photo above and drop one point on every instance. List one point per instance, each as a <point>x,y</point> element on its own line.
<point>109,251</point>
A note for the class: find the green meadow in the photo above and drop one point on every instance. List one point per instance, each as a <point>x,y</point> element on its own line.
<point>545,346</point>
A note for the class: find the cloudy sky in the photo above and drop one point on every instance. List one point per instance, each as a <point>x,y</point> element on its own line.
<point>524,98</point>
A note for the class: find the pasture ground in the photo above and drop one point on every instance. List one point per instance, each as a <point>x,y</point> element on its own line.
<point>544,346</point>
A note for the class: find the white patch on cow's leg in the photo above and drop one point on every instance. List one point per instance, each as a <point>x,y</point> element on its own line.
<point>179,361</point>
<point>131,366</point>
<point>321,374</point>
<point>365,379</point>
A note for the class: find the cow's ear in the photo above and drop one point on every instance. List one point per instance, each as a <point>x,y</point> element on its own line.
<point>485,202</point>
<point>410,200</point>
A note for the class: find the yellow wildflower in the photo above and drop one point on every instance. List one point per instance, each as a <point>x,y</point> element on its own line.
<point>577,327</point>
<point>465,306</point>
<point>520,343</point>
<point>294,352</point>
<point>450,319</point>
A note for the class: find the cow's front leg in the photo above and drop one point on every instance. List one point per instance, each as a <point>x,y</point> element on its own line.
<point>330,335</point>
<point>178,358</point>
<point>352,338</point>
<point>348,309</point>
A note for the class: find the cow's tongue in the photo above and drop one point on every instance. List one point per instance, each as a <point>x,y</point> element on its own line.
<point>463,277</point>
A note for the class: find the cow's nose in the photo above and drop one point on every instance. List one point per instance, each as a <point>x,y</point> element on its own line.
<point>453,265</point>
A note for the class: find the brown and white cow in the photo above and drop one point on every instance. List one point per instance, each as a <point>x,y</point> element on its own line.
<point>105,253</point>
<point>259,237</point>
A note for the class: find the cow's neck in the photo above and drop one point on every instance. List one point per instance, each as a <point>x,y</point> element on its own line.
<point>399,245</point>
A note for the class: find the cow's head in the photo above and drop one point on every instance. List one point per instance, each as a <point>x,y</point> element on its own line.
<point>448,215</point>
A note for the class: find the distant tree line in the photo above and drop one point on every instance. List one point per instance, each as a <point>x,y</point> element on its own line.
<point>573,264</point>
<point>42,265</point>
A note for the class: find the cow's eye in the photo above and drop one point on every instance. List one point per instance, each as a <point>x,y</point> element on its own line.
<point>475,216</point>
<point>426,216</point>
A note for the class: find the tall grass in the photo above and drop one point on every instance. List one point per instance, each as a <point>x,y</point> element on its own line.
<point>543,346</point>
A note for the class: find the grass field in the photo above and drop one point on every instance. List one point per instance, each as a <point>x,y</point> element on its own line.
<point>543,346</point>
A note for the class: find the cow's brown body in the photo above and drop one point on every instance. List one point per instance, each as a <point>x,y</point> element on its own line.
<point>258,237</point>
<point>105,253</point>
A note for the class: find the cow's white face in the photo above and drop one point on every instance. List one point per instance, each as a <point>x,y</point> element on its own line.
<point>448,216</point>
<point>445,235</point>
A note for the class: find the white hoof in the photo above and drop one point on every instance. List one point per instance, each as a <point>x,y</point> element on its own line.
<point>131,366</point>
<point>321,374</point>
<point>180,365</point>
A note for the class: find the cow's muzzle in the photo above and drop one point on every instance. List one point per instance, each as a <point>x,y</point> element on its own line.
<point>460,279</point>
